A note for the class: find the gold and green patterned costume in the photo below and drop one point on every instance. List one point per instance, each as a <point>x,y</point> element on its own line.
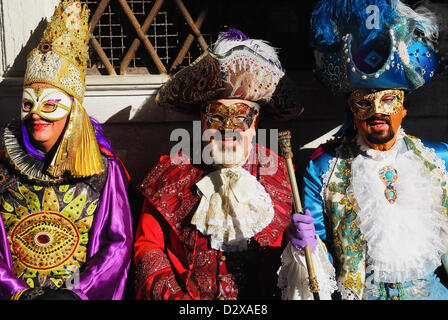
<point>327,194</point>
<point>66,225</point>
<point>47,223</point>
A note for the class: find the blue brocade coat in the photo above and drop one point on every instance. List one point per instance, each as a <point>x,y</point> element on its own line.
<point>327,176</point>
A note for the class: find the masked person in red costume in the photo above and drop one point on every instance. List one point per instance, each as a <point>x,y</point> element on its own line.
<point>215,230</point>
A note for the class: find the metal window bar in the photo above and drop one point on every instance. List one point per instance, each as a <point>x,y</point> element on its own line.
<point>116,30</point>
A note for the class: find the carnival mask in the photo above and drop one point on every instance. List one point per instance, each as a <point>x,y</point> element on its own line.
<point>364,105</point>
<point>238,116</point>
<point>49,103</point>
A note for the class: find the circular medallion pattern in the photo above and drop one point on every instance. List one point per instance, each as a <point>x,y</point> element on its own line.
<point>44,240</point>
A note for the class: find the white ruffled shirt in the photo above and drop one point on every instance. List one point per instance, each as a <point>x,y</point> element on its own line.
<point>234,207</point>
<point>403,238</point>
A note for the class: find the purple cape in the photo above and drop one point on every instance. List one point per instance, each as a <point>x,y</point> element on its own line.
<point>104,274</point>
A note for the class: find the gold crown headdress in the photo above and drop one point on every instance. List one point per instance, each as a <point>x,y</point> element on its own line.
<point>61,60</point>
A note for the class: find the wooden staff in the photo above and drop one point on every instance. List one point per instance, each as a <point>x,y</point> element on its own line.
<point>285,152</point>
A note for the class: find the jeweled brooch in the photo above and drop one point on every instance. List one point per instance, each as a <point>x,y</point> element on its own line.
<point>389,175</point>
<point>45,46</point>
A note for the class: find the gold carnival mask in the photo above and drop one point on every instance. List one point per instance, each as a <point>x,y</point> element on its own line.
<point>238,116</point>
<point>49,103</point>
<point>364,105</point>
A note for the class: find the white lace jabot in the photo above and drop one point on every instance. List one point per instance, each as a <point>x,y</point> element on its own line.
<point>403,238</point>
<point>233,208</point>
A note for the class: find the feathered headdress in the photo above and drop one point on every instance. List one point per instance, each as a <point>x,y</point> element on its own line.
<point>235,67</point>
<point>374,44</point>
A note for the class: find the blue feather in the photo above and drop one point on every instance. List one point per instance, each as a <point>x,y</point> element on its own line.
<point>332,19</point>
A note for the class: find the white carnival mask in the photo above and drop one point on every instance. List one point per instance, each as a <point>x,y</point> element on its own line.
<point>49,103</point>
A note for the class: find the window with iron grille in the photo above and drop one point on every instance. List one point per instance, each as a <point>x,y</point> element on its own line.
<point>167,28</point>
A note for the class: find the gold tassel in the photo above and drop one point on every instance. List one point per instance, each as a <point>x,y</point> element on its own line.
<point>78,152</point>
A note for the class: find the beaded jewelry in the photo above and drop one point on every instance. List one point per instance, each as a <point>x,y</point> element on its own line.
<point>389,175</point>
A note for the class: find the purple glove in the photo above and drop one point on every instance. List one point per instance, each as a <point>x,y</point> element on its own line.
<point>301,231</point>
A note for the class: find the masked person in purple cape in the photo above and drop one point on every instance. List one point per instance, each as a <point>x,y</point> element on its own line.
<point>65,227</point>
<point>375,195</point>
<point>214,229</point>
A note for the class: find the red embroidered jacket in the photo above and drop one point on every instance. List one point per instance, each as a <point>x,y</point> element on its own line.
<point>174,261</point>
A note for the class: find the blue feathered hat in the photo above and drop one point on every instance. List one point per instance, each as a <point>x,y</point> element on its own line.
<point>374,44</point>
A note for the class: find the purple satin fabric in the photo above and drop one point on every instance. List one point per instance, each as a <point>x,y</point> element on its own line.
<point>104,275</point>
<point>99,135</point>
<point>9,283</point>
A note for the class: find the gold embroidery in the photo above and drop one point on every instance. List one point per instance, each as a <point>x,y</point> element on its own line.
<point>349,243</point>
<point>50,201</point>
<point>48,239</point>
<point>354,282</point>
<point>61,57</point>
<point>32,201</point>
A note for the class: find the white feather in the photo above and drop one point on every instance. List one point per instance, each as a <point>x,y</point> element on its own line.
<point>425,19</point>
<point>263,48</point>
